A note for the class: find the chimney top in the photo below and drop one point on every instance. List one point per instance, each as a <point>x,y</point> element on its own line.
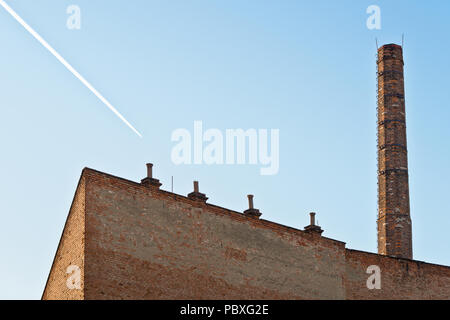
<point>390,49</point>
<point>313,228</point>
<point>196,186</point>
<point>251,211</point>
<point>149,181</point>
<point>196,194</point>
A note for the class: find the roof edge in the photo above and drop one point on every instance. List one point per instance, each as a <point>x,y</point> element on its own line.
<point>175,195</point>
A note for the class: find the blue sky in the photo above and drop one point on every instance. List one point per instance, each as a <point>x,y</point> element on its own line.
<point>306,68</point>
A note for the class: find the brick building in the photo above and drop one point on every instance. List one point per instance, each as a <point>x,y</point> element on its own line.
<point>130,240</point>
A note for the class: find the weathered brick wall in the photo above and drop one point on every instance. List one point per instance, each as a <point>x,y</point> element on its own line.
<point>400,278</point>
<point>144,244</point>
<point>70,252</point>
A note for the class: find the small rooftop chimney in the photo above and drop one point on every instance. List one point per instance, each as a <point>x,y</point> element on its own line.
<point>197,195</point>
<point>149,181</point>
<point>312,227</point>
<point>251,211</point>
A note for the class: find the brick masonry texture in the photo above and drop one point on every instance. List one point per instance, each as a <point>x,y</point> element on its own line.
<point>138,242</point>
<point>394,222</point>
<point>70,251</point>
<point>400,278</point>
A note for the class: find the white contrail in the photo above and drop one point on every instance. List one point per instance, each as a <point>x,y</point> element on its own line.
<point>66,64</point>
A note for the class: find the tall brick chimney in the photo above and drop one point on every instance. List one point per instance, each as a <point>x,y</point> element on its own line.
<point>394,222</point>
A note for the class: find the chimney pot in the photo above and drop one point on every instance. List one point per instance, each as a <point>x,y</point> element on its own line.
<point>196,194</point>
<point>149,170</point>
<point>149,181</point>
<point>313,228</point>
<point>250,201</point>
<point>251,211</point>
<point>312,218</point>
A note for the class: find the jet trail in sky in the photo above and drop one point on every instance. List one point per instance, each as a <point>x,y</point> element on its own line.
<point>66,64</point>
